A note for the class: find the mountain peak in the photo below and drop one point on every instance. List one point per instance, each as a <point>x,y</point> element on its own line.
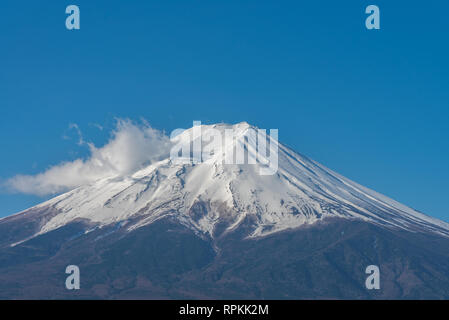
<point>214,198</point>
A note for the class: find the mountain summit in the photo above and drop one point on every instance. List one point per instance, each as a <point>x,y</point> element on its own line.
<point>197,206</point>
<point>213,198</point>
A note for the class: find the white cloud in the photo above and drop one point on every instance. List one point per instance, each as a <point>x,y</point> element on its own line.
<point>131,147</point>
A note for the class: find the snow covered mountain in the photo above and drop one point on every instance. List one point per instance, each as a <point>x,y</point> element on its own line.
<point>214,197</point>
<point>211,229</point>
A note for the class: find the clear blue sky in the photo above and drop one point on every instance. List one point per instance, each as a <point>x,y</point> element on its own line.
<point>372,105</point>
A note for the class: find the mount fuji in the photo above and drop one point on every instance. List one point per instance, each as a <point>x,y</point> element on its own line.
<point>184,230</point>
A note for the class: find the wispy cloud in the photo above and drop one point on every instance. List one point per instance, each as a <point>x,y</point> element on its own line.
<point>75,127</point>
<point>132,145</point>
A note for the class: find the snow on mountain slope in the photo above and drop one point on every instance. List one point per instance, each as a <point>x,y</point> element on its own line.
<point>213,197</point>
